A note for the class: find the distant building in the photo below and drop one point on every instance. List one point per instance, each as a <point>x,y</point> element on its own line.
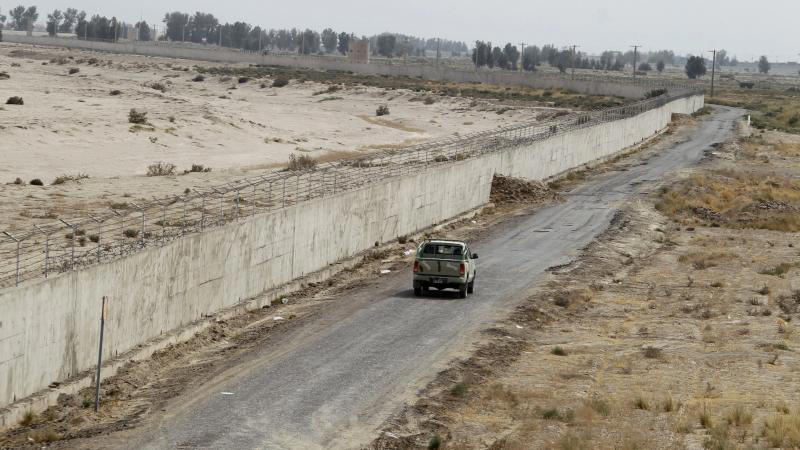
<point>359,51</point>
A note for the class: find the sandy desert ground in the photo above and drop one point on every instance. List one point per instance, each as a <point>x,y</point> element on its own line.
<point>76,124</point>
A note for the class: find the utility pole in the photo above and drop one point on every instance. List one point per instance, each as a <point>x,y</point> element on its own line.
<point>220,35</point>
<point>635,49</point>
<point>573,59</point>
<point>521,55</point>
<point>713,70</point>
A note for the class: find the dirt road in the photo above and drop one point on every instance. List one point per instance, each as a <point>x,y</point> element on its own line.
<point>331,383</point>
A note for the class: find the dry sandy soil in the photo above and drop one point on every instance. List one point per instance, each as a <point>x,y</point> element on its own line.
<point>72,124</point>
<point>674,329</point>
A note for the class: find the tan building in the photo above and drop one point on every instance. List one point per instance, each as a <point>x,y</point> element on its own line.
<point>359,51</point>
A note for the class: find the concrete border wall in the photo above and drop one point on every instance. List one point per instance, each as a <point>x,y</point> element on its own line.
<point>49,329</point>
<point>620,87</point>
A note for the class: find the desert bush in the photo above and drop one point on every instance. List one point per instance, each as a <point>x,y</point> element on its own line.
<point>429,100</point>
<point>130,233</point>
<point>652,352</point>
<point>137,117</point>
<point>74,70</point>
<point>158,86</point>
<point>94,238</point>
<point>458,390</point>
<point>160,169</point>
<point>65,178</point>
<point>302,162</point>
<point>558,351</point>
<point>435,442</point>
<point>197,168</point>
<point>778,270</point>
<point>199,78</point>
<point>15,101</point>
<point>382,110</point>
<point>27,418</point>
<point>331,89</point>
<point>739,416</point>
<point>703,260</point>
<point>641,403</point>
<point>747,84</point>
<point>243,80</point>
<point>19,181</point>
<point>4,76</point>
<point>655,93</point>
<point>36,182</point>
<point>280,82</point>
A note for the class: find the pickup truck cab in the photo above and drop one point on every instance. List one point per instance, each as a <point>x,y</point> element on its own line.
<point>444,264</point>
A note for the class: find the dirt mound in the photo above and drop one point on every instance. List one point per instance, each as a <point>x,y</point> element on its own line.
<point>506,190</point>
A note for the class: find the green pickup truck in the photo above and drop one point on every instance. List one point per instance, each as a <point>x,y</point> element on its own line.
<point>443,264</point>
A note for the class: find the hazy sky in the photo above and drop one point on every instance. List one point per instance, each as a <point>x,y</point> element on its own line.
<point>745,28</point>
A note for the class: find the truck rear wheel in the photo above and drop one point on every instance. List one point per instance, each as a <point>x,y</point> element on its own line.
<point>462,291</point>
<point>417,291</point>
<point>471,287</point>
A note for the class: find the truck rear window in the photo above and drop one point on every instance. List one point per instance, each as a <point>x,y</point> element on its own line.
<point>443,251</point>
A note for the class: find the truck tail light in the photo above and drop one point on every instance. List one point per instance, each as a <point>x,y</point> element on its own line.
<point>462,269</point>
<point>416,266</point>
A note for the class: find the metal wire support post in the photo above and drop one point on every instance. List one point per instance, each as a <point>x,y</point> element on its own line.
<point>46,248</point>
<point>141,210</point>
<point>103,316</point>
<point>16,271</point>
<point>74,232</point>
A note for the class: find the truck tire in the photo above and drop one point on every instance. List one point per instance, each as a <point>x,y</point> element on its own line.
<point>417,291</point>
<point>471,287</point>
<point>462,291</point>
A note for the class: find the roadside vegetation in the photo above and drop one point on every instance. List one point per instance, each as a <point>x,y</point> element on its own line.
<point>774,106</point>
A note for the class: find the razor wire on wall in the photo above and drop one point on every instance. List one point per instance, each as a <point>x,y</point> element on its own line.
<point>71,244</point>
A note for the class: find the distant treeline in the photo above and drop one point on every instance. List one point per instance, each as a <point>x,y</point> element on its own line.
<point>205,28</point>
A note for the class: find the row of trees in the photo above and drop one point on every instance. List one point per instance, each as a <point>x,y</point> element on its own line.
<point>696,66</point>
<point>205,28</point>
<point>392,45</point>
<point>508,57</point>
<point>22,18</point>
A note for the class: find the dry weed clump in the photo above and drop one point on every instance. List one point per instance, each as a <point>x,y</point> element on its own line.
<point>302,162</point>
<point>15,101</point>
<point>703,260</point>
<point>137,117</point>
<point>735,199</point>
<point>160,169</point>
<point>383,110</point>
<point>65,178</point>
<point>782,431</point>
<point>197,168</point>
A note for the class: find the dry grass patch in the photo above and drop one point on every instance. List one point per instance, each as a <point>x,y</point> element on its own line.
<point>735,199</point>
<point>703,260</point>
<point>782,431</point>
